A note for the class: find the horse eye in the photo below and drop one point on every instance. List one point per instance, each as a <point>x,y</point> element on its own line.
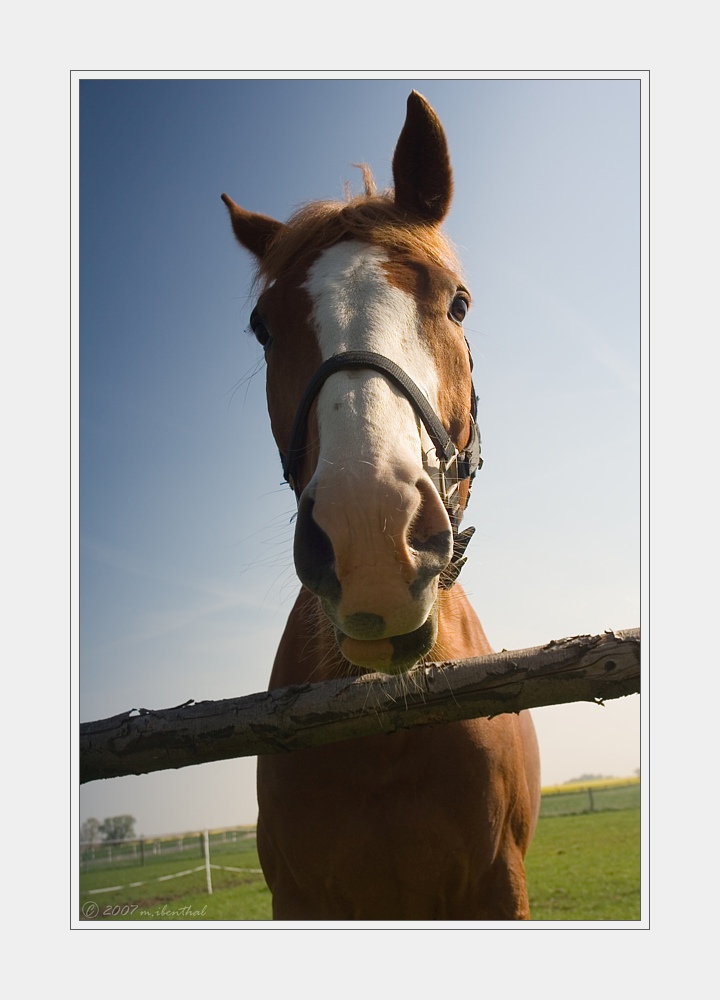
<point>258,327</point>
<point>459,308</point>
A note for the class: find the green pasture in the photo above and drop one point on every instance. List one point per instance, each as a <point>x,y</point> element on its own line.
<point>586,867</point>
<point>236,895</point>
<point>580,867</point>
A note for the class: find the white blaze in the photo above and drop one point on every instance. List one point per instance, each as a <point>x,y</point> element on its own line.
<point>363,418</point>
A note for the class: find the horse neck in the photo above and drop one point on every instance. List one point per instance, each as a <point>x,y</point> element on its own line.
<point>308,651</point>
<point>460,634</point>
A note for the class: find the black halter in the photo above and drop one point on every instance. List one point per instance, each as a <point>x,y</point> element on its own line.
<point>454,467</point>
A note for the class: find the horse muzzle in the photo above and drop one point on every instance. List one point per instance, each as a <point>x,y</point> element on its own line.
<point>376,538</point>
<point>394,655</point>
<point>374,556</point>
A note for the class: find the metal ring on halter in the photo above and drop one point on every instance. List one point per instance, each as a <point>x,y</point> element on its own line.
<point>452,468</point>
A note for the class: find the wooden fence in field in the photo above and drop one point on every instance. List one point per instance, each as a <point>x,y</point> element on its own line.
<point>608,795</point>
<point>582,668</point>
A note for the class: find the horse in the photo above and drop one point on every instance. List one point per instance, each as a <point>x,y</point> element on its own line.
<point>373,409</point>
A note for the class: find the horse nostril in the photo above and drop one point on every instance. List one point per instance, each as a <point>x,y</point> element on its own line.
<point>439,544</point>
<point>314,555</point>
<point>430,533</point>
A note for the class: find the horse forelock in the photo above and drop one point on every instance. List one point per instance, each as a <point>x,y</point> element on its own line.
<point>370,217</point>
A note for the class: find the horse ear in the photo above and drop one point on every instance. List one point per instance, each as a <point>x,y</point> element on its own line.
<point>254,231</point>
<point>421,164</point>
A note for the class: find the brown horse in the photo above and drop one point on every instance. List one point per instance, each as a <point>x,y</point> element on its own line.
<point>372,406</point>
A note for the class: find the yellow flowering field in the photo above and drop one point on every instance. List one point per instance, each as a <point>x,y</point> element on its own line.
<point>580,786</point>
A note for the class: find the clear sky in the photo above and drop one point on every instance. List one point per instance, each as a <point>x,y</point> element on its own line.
<point>185,525</point>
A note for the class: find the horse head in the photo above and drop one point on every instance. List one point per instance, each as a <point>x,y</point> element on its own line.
<point>370,395</point>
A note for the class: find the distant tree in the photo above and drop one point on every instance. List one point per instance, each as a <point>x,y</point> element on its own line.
<point>89,831</point>
<point>118,828</point>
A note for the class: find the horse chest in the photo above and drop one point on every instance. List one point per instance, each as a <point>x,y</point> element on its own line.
<point>386,825</point>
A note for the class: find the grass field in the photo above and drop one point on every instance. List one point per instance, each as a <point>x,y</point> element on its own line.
<point>580,867</point>
<point>236,895</point>
<point>586,867</point>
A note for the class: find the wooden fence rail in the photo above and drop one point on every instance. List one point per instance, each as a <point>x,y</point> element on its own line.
<point>583,668</point>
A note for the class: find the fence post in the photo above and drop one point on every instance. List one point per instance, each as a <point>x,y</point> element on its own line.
<point>592,801</point>
<point>207,864</point>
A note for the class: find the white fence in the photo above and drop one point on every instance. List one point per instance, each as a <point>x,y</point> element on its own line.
<point>118,854</point>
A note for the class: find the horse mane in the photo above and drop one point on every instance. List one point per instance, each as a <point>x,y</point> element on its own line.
<point>371,217</point>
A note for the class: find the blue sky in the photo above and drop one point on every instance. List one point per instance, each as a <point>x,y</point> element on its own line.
<point>185,529</point>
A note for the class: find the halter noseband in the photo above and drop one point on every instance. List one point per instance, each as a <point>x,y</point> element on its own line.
<point>453,468</point>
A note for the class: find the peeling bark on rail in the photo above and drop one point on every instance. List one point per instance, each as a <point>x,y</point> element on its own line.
<point>583,668</point>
